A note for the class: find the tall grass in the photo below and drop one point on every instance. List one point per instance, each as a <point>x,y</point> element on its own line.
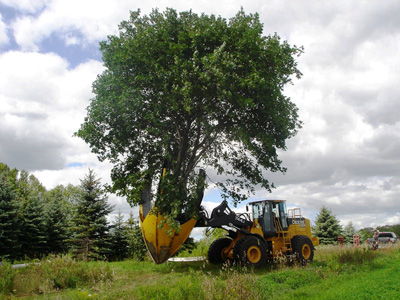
<point>56,273</point>
<point>344,253</point>
<point>7,275</point>
<point>333,267</point>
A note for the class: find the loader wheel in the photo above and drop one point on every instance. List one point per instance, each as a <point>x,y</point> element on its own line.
<point>250,250</point>
<point>303,248</point>
<point>216,251</point>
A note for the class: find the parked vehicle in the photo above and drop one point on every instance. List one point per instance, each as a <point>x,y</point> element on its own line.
<point>383,238</point>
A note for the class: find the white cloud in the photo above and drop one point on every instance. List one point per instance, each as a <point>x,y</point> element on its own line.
<point>26,5</point>
<point>43,104</point>
<point>3,33</point>
<point>92,19</point>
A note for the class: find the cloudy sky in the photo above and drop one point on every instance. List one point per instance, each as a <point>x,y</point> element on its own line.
<point>345,157</point>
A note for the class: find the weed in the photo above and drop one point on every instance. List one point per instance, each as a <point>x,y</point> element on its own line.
<point>356,256</point>
<point>60,272</point>
<point>64,272</point>
<point>241,286</point>
<point>339,259</point>
<point>7,275</point>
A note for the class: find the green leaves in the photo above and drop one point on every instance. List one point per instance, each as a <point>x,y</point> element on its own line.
<point>190,89</point>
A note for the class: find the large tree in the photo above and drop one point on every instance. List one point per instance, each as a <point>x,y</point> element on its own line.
<point>181,89</point>
<point>327,228</point>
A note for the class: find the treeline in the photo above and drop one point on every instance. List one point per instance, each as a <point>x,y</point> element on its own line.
<point>328,228</point>
<point>35,222</point>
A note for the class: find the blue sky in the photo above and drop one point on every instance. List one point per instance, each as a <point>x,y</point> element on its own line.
<point>345,157</point>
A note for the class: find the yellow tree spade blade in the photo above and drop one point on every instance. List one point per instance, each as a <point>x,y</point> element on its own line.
<point>160,245</point>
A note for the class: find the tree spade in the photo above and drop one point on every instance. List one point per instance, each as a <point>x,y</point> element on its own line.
<point>181,90</point>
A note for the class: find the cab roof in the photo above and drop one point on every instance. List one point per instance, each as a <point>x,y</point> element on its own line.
<point>261,201</point>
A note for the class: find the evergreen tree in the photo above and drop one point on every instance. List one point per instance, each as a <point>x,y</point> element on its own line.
<point>8,226</point>
<point>31,217</point>
<point>59,207</point>
<point>28,185</point>
<point>90,238</point>
<point>348,232</point>
<point>119,239</point>
<point>327,227</point>
<point>56,227</point>
<point>136,246</point>
<point>10,174</point>
<point>33,228</point>
<point>23,193</point>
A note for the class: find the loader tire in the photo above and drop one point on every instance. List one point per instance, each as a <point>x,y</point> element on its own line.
<point>216,251</point>
<point>303,248</point>
<point>250,251</point>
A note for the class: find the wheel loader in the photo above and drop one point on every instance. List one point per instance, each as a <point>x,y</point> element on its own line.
<point>266,232</point>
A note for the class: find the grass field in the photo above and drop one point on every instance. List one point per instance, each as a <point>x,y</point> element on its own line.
<point>336,273</point>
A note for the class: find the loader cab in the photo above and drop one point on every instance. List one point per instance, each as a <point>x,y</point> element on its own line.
<point>271,215</point>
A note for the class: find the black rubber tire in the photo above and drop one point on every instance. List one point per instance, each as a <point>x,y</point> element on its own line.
<point>303,248</point>
<point>215,252</point>
<point>250,251</point>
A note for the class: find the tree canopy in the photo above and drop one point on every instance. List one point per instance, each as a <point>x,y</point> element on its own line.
<point>182,90</point>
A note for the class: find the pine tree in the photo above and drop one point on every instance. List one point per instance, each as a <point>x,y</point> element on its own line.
<point>56,224</point>
<point>8,226</point>
<point>327,227</point>
<point>22,193</point>
<point>137,248</point>
<point>91,229</point>
<point>348,232</point>
<point>119,239</point>
<point>31,216</point>
<point>33,229</point>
